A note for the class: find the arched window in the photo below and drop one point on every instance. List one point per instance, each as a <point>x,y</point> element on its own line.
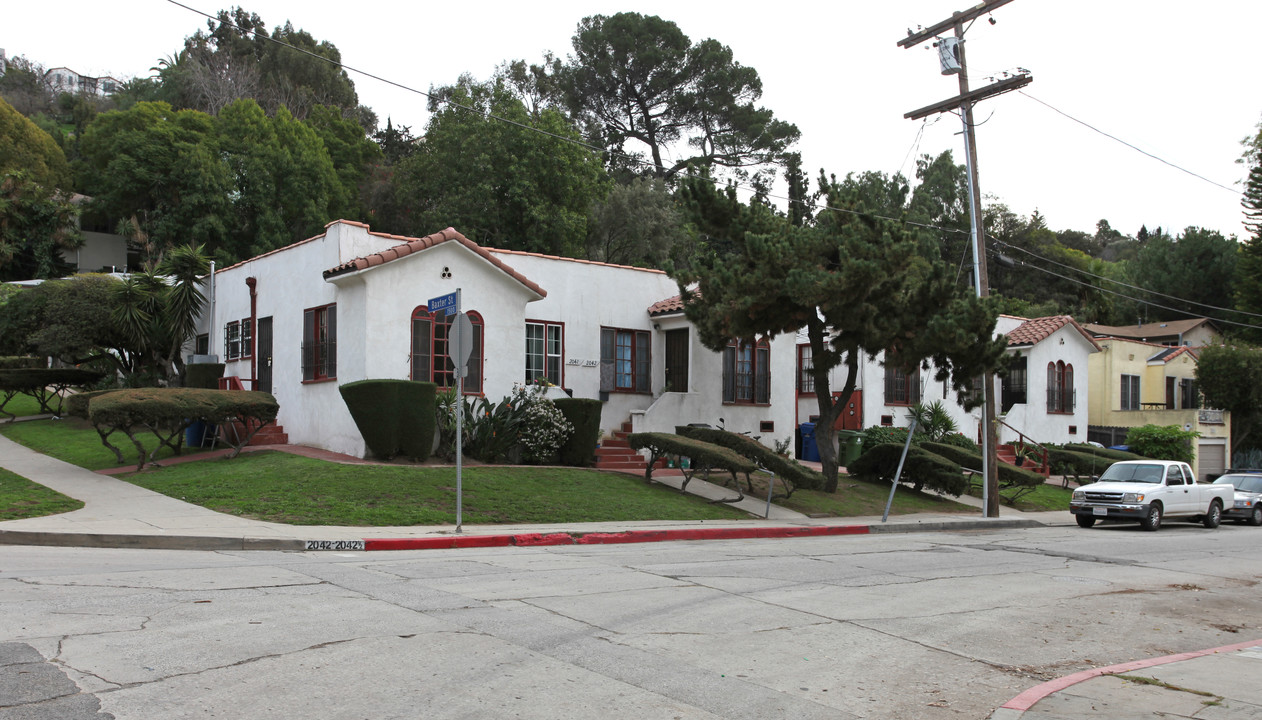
<point>430,334</point>
<point>1060,387</point>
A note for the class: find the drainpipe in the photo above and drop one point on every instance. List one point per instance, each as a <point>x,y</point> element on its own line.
<point>254,301</point>
<point>210,332</point>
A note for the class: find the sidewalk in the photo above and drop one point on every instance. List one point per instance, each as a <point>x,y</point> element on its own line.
<point>1215,683</point>
<point>119,514</point>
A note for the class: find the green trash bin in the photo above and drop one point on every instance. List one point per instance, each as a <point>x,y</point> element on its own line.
<point>851,442</point>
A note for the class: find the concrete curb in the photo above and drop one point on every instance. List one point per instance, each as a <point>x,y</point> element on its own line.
<point>449,541</point>
<point>1017,706</point>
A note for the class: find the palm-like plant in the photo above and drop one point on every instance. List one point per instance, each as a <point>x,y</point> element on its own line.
<point>933,420</point>
<point>157,309</point>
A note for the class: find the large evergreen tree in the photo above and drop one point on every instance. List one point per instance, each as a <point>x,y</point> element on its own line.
<point>523,184</point>
<point>858,283</point>
<point>641,86</point>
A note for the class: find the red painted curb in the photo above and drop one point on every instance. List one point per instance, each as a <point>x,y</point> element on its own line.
<point>449,542</point>
<point>1027,699</point>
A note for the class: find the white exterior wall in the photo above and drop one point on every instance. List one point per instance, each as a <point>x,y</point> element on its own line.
<point>1031,418</point>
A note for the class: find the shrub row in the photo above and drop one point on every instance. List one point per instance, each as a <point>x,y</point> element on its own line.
<point>925,469</point>
<point>1010,476</point>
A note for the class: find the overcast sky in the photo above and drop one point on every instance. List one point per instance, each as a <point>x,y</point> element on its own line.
<point>1167,77</point>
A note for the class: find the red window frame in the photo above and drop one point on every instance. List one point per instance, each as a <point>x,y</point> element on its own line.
<point>429,340</point>
<point>747,373</point>
<point>319,343</point>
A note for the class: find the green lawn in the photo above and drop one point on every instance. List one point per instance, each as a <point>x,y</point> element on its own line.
<point>19,405</point>
<point>21,498</point>
<point>856,497</point>
<point>1044,497</point>
<point>74,441</point>
<point>280,487</point>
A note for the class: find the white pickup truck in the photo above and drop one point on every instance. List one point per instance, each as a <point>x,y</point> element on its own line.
<point>1147,491</point>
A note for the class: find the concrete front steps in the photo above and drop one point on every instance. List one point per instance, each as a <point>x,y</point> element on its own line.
<point>615,453</point>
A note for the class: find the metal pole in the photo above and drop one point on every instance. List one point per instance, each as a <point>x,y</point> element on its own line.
<point>899,473</point>
<point>771,485</point>
<point>459,425</point>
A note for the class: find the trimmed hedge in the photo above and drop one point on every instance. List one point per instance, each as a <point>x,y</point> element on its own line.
<point>203,375</point>
<point>922,469</point>
<point>704,456</point>
<point>874,435</point>
<point>167,412</point>
<point>46,385</point>
<point>785,468</point>
<point>1080,466</point>
<point>579,450</point>
<point>1010,476</point>
<point>77,405</point>
<point>13,363</point>
<point>395,417</point>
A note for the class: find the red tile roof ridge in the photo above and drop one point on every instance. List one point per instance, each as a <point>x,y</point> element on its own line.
<point>412,245</point>
<point>1036,330</point>
<point>569,259</point>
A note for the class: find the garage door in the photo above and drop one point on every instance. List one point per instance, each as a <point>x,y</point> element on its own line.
<point>1211,460</point>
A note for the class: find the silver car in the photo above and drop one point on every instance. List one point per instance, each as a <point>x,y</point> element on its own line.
<point>1248,503</point>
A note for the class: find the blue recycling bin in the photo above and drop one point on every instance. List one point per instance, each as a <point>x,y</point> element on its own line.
<point>810,451</point>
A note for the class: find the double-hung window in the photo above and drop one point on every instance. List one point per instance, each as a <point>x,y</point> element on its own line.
<point>1014,383</point>
<point>747,373</point>
<point>625,360</point>
<point>431,337</point>
<point>319,343</point>
<point>544,347</point>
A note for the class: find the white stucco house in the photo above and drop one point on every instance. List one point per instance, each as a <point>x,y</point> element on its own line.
<point>351,304</point>
<point>1043,396</point>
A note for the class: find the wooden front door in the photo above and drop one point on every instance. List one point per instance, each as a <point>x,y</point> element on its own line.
<point>851,417</point>
<point>677,360</point>
<point>264,355</point>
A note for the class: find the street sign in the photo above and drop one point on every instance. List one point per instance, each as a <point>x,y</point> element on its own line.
<point>460,345</point>
<point>449,304</point>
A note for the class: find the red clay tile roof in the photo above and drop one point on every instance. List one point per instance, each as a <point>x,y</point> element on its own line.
<point>1037,330</point>
<point>667,306</point>
<point>574,260</point>
<point>408,246</point>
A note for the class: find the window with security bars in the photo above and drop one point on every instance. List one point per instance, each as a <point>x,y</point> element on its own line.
<point>1060,387</point>
<point>901,387</point>
<point>747,373</point>
<point>319,343</point>
<point>1130,392</point>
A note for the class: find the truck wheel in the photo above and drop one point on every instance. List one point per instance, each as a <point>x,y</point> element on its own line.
<point>1086,521</point>
<point>1152,519</point>
<point>1214,516</point>
<point>1255,517</point>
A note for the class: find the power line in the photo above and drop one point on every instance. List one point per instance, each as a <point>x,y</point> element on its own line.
<point>1135,299</point>
<point>1119,282</point>
<point>1117,139</point>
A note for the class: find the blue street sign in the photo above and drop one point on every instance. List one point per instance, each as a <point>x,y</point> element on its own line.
<point>447,303</point>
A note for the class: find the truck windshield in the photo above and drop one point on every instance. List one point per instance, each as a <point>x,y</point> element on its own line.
<point>1121,472</point>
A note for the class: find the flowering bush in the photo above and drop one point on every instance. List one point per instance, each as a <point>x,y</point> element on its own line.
<point>544,430</point>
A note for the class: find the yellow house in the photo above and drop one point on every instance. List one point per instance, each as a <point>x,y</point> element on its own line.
<point>1136,383</point>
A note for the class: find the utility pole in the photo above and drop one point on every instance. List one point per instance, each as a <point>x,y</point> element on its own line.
<point>951,53</point>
